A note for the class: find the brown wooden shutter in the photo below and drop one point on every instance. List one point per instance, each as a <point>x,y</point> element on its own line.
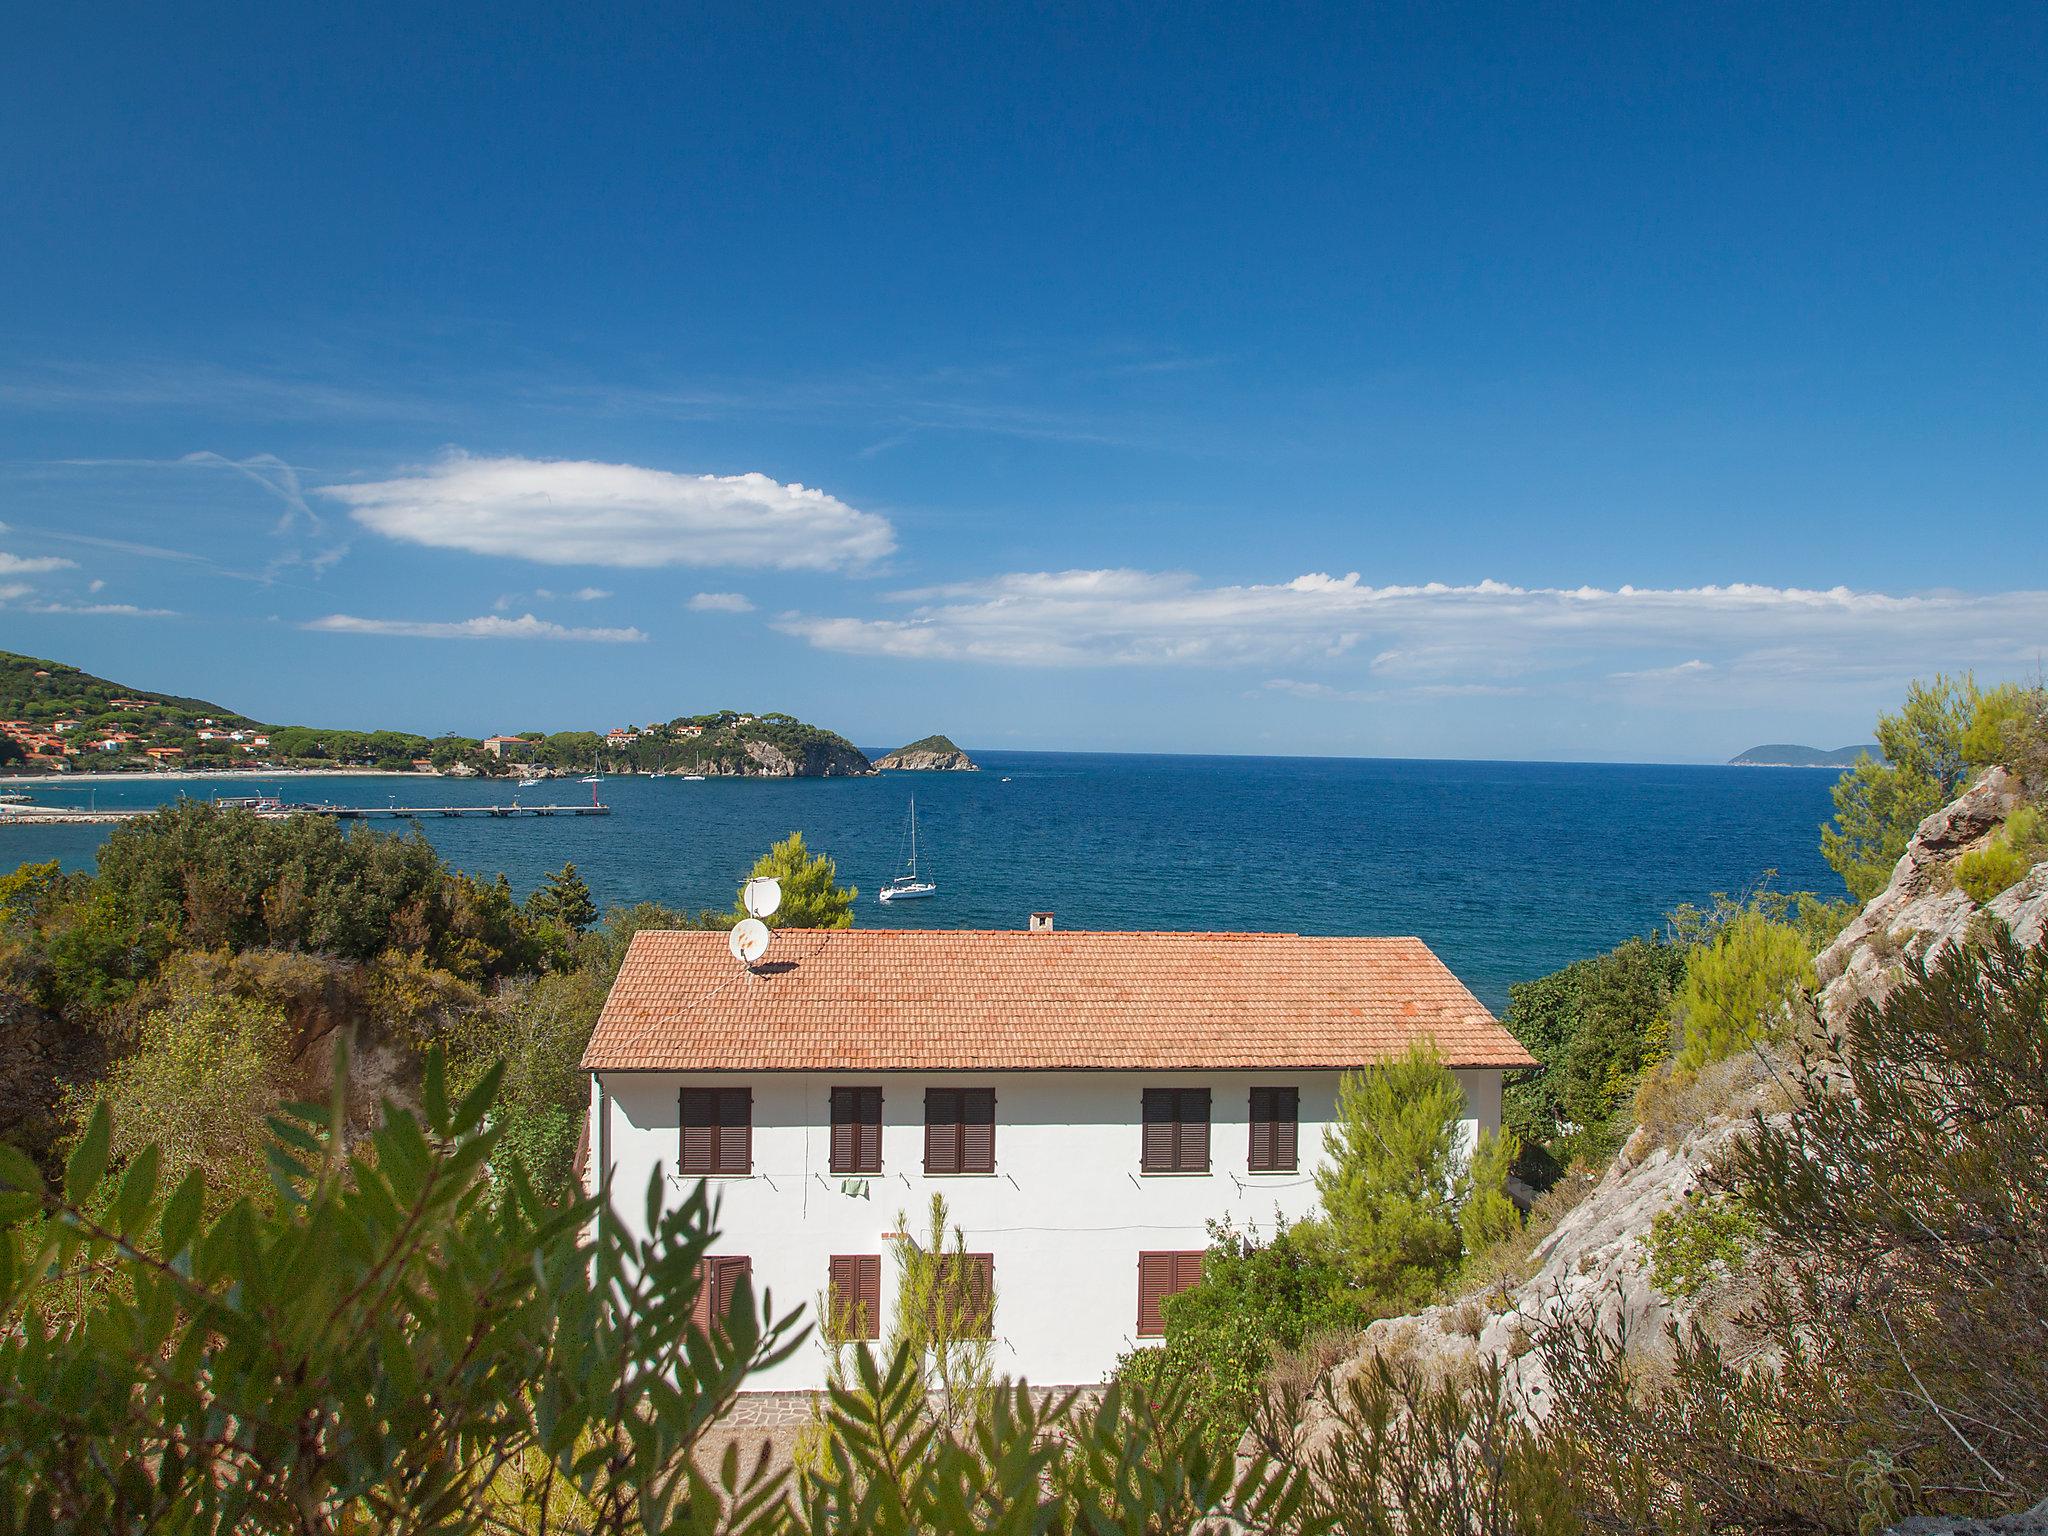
<point>979,1295</point>
<point>729,1273</point>
<point>1155,1280</point>
<point>942,1130</point>
<point>869,1143</point>
<point>1187,1270</point>
<point>735,1151</point>
<point>978,1130</point>
<point>1286,1129</point>
<point>1194,1131</point>
<point>700,1309</point>
<point>1259,1156</point>
<point>845,1133</point>
<point>1156,1152</point>
<point>699,1114</point>
<point>869,1291</point>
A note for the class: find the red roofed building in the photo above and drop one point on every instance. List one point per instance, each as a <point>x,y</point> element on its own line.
<point>1085,1101</point>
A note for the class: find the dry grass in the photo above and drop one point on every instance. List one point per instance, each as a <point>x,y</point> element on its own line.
<point>1672,1104</point>
<point>1296,1371</point>
<point>1489,1277</point>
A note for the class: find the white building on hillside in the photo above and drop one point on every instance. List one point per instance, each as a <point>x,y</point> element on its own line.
<point>1085,1102</point>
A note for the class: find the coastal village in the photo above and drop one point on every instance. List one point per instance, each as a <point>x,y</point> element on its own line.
<point>60,720</point>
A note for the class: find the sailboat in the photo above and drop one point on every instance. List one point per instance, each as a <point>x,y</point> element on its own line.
<point>907,886</point>
<point>592,776</point>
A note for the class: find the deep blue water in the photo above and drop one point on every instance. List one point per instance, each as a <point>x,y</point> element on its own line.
<point>1507,870</point>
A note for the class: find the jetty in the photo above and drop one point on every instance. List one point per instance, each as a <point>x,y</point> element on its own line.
<point>418,812</point>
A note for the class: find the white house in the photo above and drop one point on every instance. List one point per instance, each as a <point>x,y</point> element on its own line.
<point>1085,1101</point>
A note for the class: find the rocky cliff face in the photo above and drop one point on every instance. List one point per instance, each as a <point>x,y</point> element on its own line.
<point>933,753</point>
<point>756,759</point>
<point>1920,912</point>
<point>1594,1260</point>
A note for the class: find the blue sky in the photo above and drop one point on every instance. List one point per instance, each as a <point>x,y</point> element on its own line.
<point>1527,381</point>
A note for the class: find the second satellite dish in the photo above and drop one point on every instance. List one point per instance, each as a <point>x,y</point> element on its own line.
<point>748,940</point>
<point>762,896</point>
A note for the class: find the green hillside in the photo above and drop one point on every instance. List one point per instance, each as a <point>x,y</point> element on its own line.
<point>47,691</point>
<point>1780,754</point>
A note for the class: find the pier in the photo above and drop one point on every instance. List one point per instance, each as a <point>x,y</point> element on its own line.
<point>415,812</point>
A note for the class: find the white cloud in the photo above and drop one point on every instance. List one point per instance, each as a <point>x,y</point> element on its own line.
<point>101,610</point>
<point>1672,674</point>
<point>488,627</point>
<point>13,590</point>
<point>721,602</point>
<point>1488,636</point>
<point>564,512</point>
<point>589,595</point>
<point>30,565</point>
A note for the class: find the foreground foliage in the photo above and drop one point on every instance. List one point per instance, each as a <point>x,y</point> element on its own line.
<point>397,1341</point>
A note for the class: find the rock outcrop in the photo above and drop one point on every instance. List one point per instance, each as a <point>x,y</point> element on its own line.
<point>932,753</point>
<point>1594,1261</point>
<point>1920,912</point>
<point>820,758</point>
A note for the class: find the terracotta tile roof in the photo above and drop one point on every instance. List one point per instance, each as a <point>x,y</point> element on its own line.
<point>905,1000</point>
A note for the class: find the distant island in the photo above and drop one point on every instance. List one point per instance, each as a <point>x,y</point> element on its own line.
<point>1780,754</point>
<point>57,719</point>
<point>927,754</point>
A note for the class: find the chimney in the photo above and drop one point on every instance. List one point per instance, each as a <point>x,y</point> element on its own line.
<point>1041,922</point>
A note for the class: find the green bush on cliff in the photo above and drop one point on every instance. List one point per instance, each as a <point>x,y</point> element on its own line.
<point>1747,985</point>
<point>1996,866</point>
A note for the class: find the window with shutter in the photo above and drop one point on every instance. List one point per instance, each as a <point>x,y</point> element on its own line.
<point>967,1292</point>
<point>1175,1131</point>
<point>1161,1275</point>
<point>856,1296</point>
<point>959,1130</point>
<point>718,1280</point>
<point>1276,1122</point>
<point>856,1130</point>
<point>718,1131</point>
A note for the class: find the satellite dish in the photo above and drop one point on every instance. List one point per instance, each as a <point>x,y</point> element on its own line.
<point>762,896</point>
<point>748,940</point>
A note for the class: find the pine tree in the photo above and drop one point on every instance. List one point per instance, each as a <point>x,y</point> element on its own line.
<point>1394,1179</point>
<point>810,896</point>
<point>565,899</point>
<point>1878,804</point>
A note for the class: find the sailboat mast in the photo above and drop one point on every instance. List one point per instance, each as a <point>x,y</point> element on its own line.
<point>913,837</point>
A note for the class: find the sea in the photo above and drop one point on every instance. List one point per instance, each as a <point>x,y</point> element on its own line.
<point>1507,870</point>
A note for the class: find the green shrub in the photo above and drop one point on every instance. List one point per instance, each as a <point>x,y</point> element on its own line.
<point>1987,871</point>
<point>1488,1217</point>
<point>1693,1243</point>
<point>1254,1301</point>
<point>1594,1026</point>
<point>1743,987</point>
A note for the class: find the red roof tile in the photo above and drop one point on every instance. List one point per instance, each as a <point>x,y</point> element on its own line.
<point>936,1000</point>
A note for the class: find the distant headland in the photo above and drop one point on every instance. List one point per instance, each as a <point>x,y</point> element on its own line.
<point>57,719</point>
<point>1780,754</point>
<point>929,753</point>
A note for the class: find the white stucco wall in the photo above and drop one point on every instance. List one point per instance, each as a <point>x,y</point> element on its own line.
<point>1065,1214</point>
